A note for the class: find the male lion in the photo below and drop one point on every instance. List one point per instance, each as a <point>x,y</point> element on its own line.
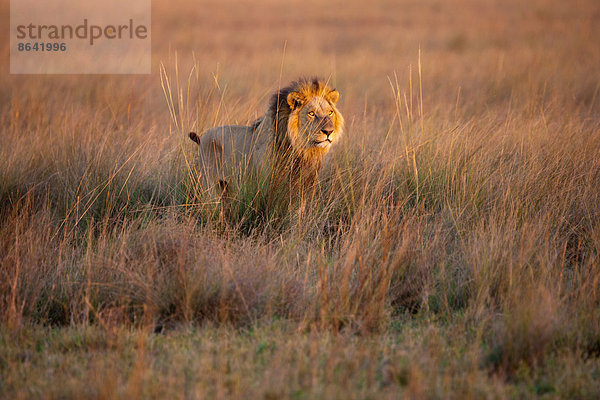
<point>287,144</point>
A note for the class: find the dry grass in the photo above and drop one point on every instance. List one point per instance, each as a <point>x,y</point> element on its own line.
<point>451,251</point>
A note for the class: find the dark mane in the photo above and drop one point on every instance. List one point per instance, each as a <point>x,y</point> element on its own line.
<point>280,109</point>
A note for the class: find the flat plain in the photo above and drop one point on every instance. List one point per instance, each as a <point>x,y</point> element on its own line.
<point>451,251</point>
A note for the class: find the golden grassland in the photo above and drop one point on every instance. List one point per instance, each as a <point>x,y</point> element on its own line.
<point>451,250</point>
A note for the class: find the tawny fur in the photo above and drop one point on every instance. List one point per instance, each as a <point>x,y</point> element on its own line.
<point>288,143</point>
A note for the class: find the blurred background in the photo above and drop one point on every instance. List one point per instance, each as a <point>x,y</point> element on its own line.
<point>474,54</point>
<point>456,239</point>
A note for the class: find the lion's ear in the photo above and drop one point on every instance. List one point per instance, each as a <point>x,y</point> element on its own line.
<point>333,96</point>
<point>294,99</point>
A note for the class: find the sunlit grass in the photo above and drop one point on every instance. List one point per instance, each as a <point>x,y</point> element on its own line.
<point>449,249</point>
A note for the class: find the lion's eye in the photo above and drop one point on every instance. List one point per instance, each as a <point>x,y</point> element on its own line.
<point>311,113</point>
<point>330,112</point>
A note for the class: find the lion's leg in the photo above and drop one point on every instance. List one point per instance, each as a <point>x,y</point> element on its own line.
<point>223,187</point>
<point>211,162</point>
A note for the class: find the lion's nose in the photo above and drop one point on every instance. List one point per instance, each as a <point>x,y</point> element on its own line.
<point>327,131</point>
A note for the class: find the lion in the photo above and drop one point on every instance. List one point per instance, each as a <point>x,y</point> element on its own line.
<point>287,144</point>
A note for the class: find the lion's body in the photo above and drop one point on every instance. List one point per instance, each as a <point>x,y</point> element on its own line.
<point>288,143</point>
<point>230,150</point>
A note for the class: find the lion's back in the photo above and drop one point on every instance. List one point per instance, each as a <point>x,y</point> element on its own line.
<point>225,149</point>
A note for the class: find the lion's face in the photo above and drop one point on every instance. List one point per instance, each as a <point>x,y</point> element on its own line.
<point>314,123</point>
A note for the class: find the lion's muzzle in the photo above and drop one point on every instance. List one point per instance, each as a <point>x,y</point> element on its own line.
<point>326,126</point>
